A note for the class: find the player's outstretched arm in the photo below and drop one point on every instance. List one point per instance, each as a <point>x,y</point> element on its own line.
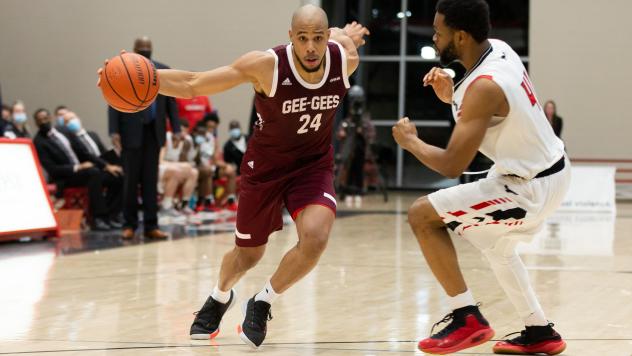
<point>351,38</point>
<point>251,67</point>
<point>482,100</point>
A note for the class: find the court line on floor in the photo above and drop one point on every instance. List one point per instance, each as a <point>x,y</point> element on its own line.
<point>286,345</point>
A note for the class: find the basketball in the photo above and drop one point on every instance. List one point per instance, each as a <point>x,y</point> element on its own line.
<point>129,82</point>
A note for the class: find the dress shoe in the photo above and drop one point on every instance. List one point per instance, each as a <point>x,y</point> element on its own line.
<point>156,234</point>
<point>128,233</point>
<point>100,225</point>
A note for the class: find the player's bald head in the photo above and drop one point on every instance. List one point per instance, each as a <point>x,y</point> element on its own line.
<point>310,15</point>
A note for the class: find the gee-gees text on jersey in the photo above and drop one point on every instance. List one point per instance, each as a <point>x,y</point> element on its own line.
<point>297,105</point>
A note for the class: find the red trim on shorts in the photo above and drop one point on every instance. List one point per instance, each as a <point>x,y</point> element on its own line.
<point>480,206</point>
<point>298,211</point>
<point>456,213</point>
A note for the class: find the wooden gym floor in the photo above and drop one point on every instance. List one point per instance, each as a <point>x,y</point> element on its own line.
<point>371,294</point>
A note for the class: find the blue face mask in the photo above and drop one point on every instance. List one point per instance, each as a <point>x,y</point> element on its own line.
<point>74,125</point>
<point>235,133</point>
<point>199,140</point>
<point>60,121</point>
<point>19,117</point>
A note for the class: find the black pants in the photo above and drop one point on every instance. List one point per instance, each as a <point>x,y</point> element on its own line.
<point>140,166</point>
<point>91,178</point>
<point>114,195</point>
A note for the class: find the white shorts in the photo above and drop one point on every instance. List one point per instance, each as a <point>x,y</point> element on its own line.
<point>501,206</point>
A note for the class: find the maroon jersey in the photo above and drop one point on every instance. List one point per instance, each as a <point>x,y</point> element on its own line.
<point>295,122</point>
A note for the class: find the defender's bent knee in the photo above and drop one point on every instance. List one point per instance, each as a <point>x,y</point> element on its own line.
<point>422,215</point>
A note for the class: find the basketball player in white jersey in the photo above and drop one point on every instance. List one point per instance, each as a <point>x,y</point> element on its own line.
<point>496,112</point>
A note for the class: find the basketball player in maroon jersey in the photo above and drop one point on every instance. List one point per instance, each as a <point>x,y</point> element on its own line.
<point>289,160</point>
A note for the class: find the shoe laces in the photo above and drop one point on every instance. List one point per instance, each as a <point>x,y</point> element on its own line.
<point>455,324</point>
<point>209,314</point>
<point>261,314</point>
<point>445,330</point>
<point>523,339</point>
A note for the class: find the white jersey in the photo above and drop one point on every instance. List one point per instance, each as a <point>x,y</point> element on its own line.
<point>523,143</point>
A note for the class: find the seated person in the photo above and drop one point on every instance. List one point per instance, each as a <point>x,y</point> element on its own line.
<point>176,173</point>
<point>16,127</point>
<point>60,123</point>
<point>5,119</point>
<point>89,147</point>
<point>235,147</point>
<point>66,170</point>
<point>211,166</point>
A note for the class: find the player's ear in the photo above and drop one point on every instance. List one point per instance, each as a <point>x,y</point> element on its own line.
<point>289,33</point>
<point>460,36</point>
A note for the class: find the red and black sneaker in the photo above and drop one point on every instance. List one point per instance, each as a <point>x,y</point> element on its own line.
<point>467,329</point>
<point>533,340</point>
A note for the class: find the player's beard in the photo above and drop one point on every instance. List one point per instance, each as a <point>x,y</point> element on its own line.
<point>310,70</point>
<point>448,55</point>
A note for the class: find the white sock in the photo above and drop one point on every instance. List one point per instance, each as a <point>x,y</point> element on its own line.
<point>267,294</point>
<point>461,300</point>
<point>220,296</point>
<point>536,318</point>
<point>167,203</point>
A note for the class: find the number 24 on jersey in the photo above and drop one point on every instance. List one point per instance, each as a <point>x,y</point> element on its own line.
<point>309,123</point>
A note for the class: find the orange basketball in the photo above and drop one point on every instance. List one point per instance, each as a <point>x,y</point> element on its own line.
<point>129,82</point>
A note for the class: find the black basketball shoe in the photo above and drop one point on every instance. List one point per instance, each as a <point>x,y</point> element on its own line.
<point>532,340</point>
<point>254,327</point>
<point>206,323</point>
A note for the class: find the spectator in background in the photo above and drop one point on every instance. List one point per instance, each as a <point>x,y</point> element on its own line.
<point>550,110</point>
<point>220,168</point>
<point>66,170</point>
<point>204,144</point>
<point>139,137</point>
<point>194,109</point>
<point>356,133</point>
<point>16,127</point>
<point>235,147</point>
<point>5,119</point>
<point>6,113</point>
<point>60,111</point>
<point>89,147</point>
<point>176,173</point>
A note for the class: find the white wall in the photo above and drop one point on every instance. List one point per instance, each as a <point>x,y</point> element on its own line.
<point>579,53</point>
<point>50,50</point>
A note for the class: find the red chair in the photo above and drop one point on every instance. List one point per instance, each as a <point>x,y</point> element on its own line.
<point>77,198</point>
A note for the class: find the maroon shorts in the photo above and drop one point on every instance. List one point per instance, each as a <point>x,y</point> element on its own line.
<point>260,203</point>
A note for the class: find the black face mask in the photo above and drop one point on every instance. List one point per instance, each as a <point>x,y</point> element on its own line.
<point>45,128</point>
<point>144,53</point>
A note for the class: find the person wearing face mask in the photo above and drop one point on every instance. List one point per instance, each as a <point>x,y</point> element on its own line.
<point>16,128</point>
<point>60,124</point>
<point>66,169</point>
<point>235,147</point>
<point>139,137</point>
<point>89,147</point>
